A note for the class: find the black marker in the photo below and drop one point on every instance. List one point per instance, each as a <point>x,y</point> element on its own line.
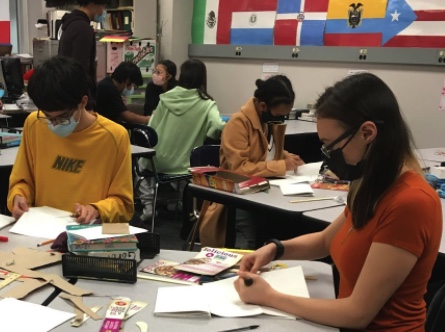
<point>248,282</point>
<point>247,328</point>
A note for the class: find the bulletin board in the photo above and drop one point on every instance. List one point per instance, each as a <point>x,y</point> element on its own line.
<point>358,25</point>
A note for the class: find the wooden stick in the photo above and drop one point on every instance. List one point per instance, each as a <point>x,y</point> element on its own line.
<point>312,199</point>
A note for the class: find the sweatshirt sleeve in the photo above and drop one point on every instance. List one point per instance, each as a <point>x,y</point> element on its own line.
<point>119,204</point>
<point>215,123</point>
<point>235,146</point>
<point>21,180</point>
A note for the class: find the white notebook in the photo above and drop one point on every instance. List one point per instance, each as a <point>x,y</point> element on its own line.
<point>300,189</point>
<point>221,299</point>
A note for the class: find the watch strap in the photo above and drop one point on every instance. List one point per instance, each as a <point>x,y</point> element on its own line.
<point>280,248</point>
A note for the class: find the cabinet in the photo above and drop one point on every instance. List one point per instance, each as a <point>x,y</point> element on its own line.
<point>140,15</point>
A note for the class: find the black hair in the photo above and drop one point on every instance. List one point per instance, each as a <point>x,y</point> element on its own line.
<point>171,69</point>
<point>194,76</point>
<point>274,91</point>
<point>84,3</point>
<point>128,70</point>
<point>58,84</point>
<point>353,101</point>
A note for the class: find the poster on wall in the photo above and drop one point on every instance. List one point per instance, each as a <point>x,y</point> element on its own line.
<point>372,23</point>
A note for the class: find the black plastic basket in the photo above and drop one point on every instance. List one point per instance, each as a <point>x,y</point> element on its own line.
<point>99,268</point>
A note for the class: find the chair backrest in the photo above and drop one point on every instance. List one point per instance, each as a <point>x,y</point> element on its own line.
<point>435,319</point>
<point>142,135</point>
<point>205,155</point>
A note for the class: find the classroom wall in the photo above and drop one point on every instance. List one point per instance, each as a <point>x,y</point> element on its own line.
<point>232,81</point>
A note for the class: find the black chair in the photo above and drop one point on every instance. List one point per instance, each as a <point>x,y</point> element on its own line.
<point>147,137</point>
<point>435,318</point>
<point>205,155</point>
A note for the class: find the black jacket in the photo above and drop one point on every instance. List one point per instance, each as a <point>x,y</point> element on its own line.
<point>79,41</point>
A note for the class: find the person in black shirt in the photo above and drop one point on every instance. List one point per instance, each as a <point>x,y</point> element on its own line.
<point>110,91</point>
<point>78,39</point>
<point>163,80</point>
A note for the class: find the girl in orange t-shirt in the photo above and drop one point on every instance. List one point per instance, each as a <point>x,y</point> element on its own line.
<point>386,241</point>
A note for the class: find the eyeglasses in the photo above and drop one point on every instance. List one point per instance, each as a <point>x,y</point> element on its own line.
<point>62,120</point>
<point>326,150</point>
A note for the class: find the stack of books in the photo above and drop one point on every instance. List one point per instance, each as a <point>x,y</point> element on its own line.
<point>124,247</point>
<point>8,140</point>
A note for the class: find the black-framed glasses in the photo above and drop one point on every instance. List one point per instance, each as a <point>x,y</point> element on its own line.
<point>58,120</point>
<point>326,150</point>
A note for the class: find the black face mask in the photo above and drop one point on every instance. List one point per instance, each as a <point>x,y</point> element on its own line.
<point>337,164</point>
<point>267,117</point>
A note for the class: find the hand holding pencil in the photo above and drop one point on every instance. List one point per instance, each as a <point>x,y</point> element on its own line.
<point>252,288</point>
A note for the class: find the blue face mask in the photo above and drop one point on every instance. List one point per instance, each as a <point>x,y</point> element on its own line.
<point>127,92</point>
<point>100,18</point>
<point>64,130</point>
<point>2,93</point>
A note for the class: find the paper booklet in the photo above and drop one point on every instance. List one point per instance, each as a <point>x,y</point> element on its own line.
<point>301,189</point>
<point>221,299</point>
<point>210,261</point>
<point>164,270</point>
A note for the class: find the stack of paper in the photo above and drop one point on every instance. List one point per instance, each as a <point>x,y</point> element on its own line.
<point>300,189</point>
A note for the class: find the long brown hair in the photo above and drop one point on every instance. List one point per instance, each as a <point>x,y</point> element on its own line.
<point>352,101</point>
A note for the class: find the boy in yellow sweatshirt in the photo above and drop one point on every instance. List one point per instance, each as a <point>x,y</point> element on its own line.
<point>69,158</point>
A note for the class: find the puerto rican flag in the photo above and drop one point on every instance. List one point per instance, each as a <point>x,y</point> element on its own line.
<point>426,30</point>
<point>300,22</point>
<point>239,9</point>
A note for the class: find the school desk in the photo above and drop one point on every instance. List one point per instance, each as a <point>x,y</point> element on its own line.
<point>295,127</point>
<point>146,291</point>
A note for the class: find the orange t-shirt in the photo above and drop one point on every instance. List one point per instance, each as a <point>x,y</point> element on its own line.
<point>409,216</point>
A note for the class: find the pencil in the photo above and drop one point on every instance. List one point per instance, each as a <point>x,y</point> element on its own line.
<point>44,243</point>
<point>312,199</point>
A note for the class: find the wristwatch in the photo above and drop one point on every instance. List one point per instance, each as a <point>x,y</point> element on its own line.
<point>280,248</point>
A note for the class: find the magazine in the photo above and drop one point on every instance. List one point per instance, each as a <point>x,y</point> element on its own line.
<point>166,270</point>
<point>210,261</point>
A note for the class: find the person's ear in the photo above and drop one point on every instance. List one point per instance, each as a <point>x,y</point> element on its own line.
<point>369,131</point>
<point>84,102</point>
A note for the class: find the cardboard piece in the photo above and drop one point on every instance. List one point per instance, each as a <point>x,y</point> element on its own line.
<point>115,228</point>
<point>232,182</point>
<point>28,286</point>
<point>77,301</point>
<point>30,258</point>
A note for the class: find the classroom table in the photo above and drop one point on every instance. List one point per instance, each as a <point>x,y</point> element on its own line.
<point>146,290</point>
<point>431,154</point>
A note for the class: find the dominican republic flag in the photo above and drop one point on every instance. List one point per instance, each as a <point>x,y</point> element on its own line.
<point>427,29</point>
<point>358,23</point>
<point>5,24</point>
<point>252,28</point>
<point>300,22</point>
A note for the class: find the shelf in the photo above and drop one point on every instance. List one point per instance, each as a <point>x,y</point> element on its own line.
<point>375,55</point>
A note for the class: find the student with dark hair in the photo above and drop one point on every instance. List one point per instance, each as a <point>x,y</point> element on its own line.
<point>78,40</point>
<point>253,140</point>
<point>110,91</point>
<point>253,144</point>
<point>163,80</point>
<point>184,118</point>
<point>386,241</point>
<point>61,161</point>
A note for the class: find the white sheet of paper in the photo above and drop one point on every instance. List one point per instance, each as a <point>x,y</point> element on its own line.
<point>291,179</point>
<point>95,233</point>
<point>225,301</point>
<point>45,222</point>
<point>302,189</point>
<point>38,318</point>
<point>309,169</point>
<point>182,301</point>
<point>5,221</point>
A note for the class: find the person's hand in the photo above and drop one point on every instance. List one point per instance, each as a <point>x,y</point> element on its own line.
<point>20,206</point>
<point>255,261</point>
<point>85,214</point>
<point>259,292</point>
<point>292,162</point>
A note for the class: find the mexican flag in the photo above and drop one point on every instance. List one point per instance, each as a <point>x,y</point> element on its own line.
<point>204,25</point>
